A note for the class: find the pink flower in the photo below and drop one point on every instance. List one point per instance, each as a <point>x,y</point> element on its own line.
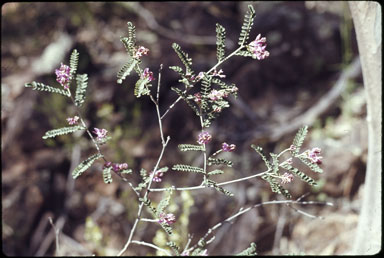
<point>204,137</point>
<point>157,176</point>
<point>167,218</point>
<point>313,155</point>
<point>117,167</point>
<point>286,178</point>
<point>228,147</point>
<point>63,75</point>
<point>257,47</point>
<point>141,51</point>
<point>147,75</point>
<point>73,120</point>
<point>100,133</point>
<point>218,73</point>
<point>216,95</point>
<point>197,97</point>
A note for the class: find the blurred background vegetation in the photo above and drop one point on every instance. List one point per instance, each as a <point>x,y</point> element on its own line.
<point>311,45</point>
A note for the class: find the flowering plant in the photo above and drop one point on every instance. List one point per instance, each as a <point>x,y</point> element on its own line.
<point>207,95</point>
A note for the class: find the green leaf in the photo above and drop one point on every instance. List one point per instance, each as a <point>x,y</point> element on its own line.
<point>259,150</point>
<point>126,70</point>
<point>213,161</point>
<point>141,87</point>
<point>275,163</point>
<point>299,139</point>
<point>187,168</point>
<point>163,203</point>
<point>216,172</point>
<point>190,147</point>
<point>250,251</point>
<point>313,166</point>
<point>213,184</point>
<point>174,247</point>
<point>247,25</point>
<point>220,42</point>
<point>74,62</point>
<point>205,90</point>
<point>107,175</point>
<point>82,84</point>
<point>184,97</point>
<point>275,186</point>
<point>83,166</point>
<point>61,131</point>
<point>42,87</point>
<point>148,203</point>
<point>244,53</point>
<point>131,32</point>
<point>185,59</point>
<point>299,174</point>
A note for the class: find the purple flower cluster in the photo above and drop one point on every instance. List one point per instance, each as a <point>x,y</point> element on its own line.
<point>228,147</point>
<point>147,74</point>
<point>204,137</point>
<point>63,75</point>
<point>73,120</point>
<point>313,155</point>
<point>157,176</point>
<point>141,51</point>
<point>117,167</point>
<point>286,178</point>
<point>167,218</point>
<point>257,48</point>
<point>100,133</point>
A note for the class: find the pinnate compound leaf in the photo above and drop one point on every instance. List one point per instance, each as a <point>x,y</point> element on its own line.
<point>213,161</point>
<point>190,147</point>
<point>216,172</point>
<point>81,89</point>
<point>259,150</point>
<point>126,70</point>
<point>219,188</point>
<point>74,62</point>
<point>185,59</point>
<point>220,42</point>
<point>107,175</point>
<point>313,166</point>
<point>163,203</point>
<point>63,130</point>
<point>299,139</point>
<point>83,166</point>
<point>187,168</point>
<point>141,88</point>
<point>174,247</point>
<point>250,251</point>
<point>42,87</point>
<point>247,25</point>
<point>299,174</point>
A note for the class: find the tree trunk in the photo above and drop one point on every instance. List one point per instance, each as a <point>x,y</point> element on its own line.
<point>367,20</point>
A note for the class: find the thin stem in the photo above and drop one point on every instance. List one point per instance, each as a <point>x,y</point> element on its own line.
<point>202,186</point>
<point>204,149</point>
<point>148,190</point>
<point>242,211</point>
<point>151,245</point>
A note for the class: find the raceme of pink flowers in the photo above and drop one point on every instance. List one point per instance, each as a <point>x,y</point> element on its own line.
<point>257,47</point>
<point>167,218</point>
<point>147,75</point>
<point>100,133</point>
<point>63,75</point>
<point>228,147</point>
<point>73,120</point>
<point>117,167</point>
<point>204,137</point>
<point>141,51</point>
<point>313,155</point>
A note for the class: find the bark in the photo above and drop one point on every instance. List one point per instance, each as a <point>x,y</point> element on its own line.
<point>367,20</point>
